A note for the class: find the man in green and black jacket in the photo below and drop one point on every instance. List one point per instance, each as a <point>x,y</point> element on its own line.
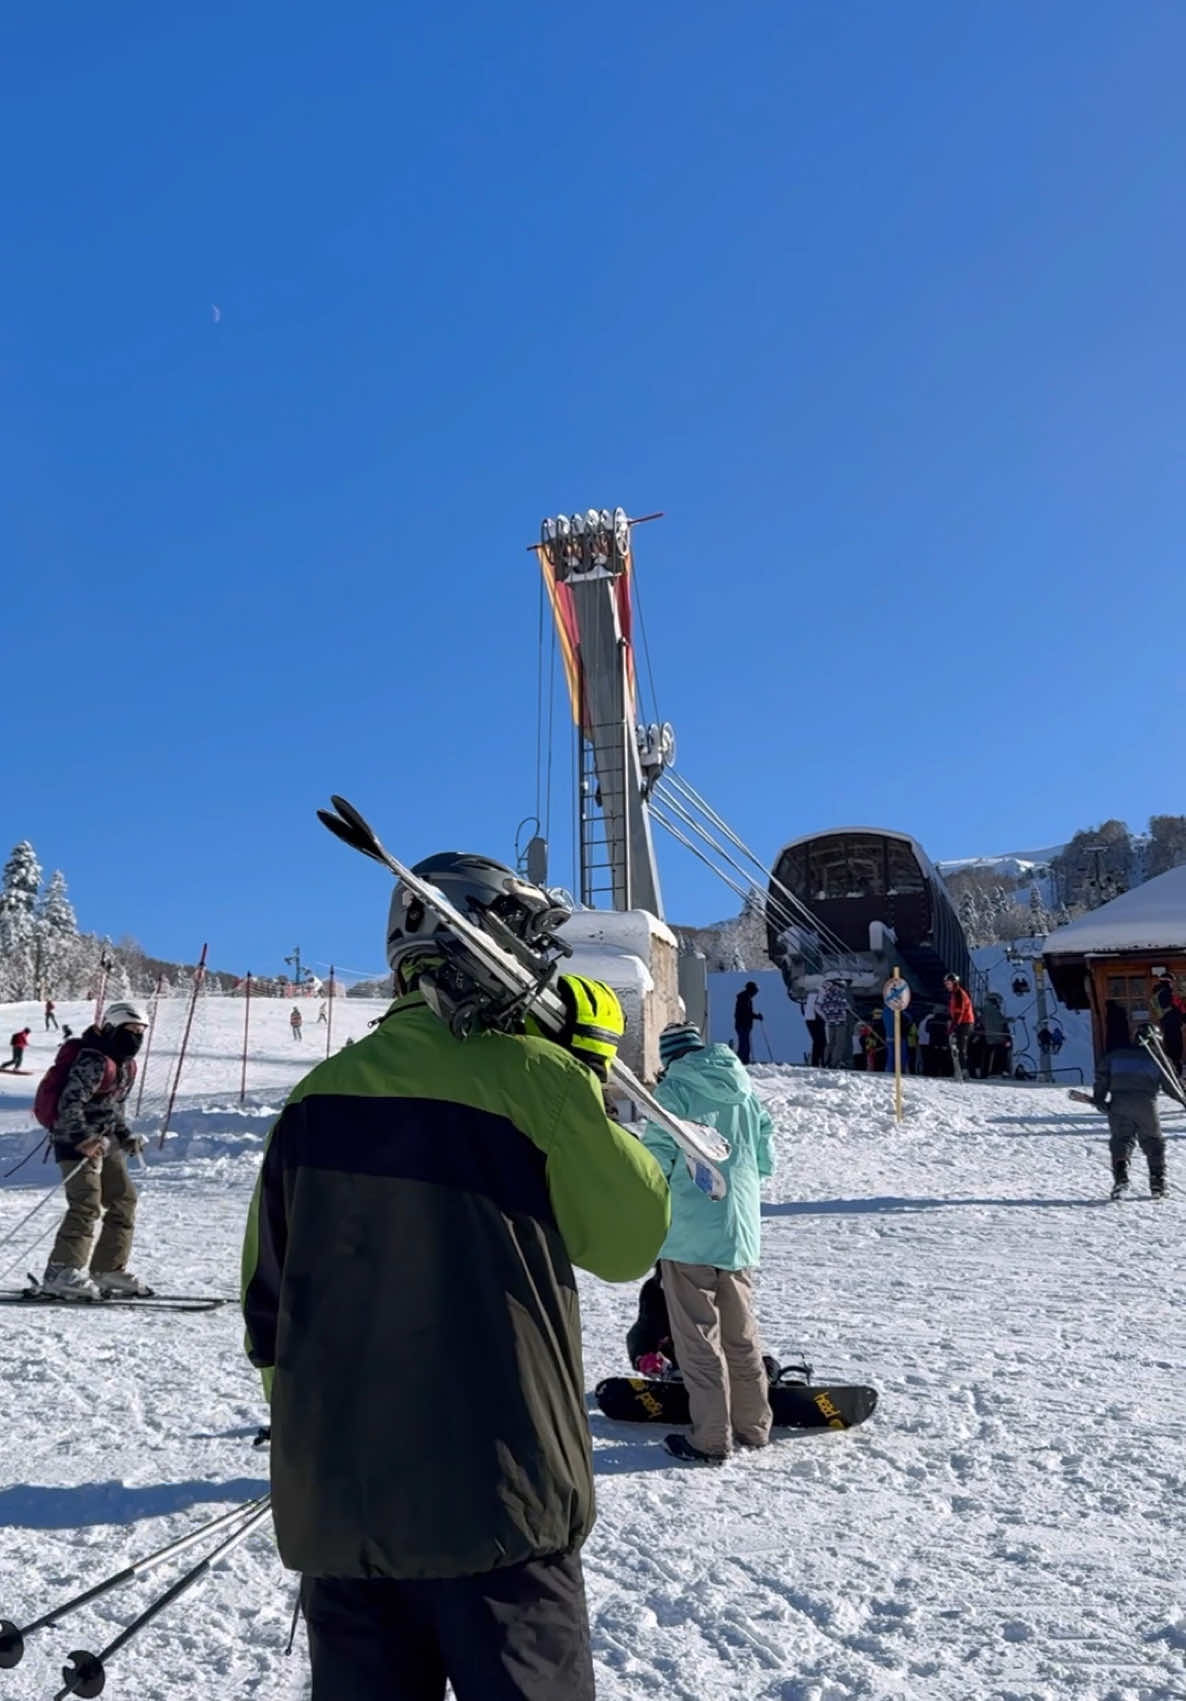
<point>410,1300</point>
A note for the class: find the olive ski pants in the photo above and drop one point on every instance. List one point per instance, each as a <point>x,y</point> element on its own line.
<point>716,1341</point>
<point>102,1188</point>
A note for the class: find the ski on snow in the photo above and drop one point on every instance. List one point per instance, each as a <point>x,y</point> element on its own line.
<point>35,1295</point>
<point>530,981</point>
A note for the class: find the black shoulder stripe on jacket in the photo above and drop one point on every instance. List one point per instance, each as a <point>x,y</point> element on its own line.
<point>432,1140</point>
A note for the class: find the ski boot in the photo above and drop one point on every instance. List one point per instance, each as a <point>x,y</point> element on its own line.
<point>1157,1187</point>
<point>63,1281</point>
<point>1119,1184</point>
<point>120,1284</point>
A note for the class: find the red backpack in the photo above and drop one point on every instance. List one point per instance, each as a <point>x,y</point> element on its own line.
<point>49,1088</point>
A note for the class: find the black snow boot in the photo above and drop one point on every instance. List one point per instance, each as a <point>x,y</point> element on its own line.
<point>1157,1186</point>
<point>1119,1183</point>
<point>681,1448</point>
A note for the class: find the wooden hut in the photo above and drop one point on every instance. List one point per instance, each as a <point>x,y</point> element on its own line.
<point>1120,952</point>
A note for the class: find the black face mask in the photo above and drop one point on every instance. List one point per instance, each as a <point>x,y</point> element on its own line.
<point>123,1043</point>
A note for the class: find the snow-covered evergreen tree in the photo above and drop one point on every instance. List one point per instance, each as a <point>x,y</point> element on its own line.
<point>19,886</point>
<point>60,955</point>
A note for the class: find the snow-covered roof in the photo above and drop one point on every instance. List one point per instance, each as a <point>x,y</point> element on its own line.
<point>1151,917</point>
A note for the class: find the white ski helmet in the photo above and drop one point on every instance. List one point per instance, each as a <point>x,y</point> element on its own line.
<point>118,1015</point>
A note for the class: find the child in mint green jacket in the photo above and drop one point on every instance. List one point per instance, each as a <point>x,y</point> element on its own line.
<point>713,1247</point>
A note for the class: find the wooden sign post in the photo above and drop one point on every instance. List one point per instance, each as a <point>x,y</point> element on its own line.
<point>896,997</point>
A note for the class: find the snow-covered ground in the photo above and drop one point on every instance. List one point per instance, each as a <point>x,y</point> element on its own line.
<point>1009,1526</point>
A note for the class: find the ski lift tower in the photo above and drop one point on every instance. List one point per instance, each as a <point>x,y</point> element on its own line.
<point>587,567</point>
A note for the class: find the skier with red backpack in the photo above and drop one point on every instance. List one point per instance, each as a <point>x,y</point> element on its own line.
<point>18,1042</point>
<point>81,1101</point>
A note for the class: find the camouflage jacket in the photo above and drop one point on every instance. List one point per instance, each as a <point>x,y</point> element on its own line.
<point>85,1113</point>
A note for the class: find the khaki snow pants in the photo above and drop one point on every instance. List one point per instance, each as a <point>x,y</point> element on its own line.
<point>716,1341</point>
<point>102,1188</point>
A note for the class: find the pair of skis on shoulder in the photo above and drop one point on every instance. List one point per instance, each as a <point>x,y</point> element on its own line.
<point>528,977</point>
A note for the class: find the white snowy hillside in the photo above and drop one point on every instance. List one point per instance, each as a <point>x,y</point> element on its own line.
<point>1019,865</point>
<point>1008,1526</point>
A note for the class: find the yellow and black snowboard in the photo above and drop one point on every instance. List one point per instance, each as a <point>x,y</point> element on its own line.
<point>796,1405</point>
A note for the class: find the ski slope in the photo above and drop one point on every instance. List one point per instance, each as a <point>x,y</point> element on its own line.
<point>1010,1525</point>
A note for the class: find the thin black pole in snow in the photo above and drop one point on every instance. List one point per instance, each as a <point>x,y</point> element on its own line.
<point>329,1020</point>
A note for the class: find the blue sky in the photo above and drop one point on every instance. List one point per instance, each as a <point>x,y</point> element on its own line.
<point>881,304</point>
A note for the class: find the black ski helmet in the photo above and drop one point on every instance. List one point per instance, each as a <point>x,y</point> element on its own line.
<point>475,885</point>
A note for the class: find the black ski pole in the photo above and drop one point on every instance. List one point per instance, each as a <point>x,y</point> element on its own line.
<point>32,1152</point>
<point>44,1200</point>
<point>296,1619</point>
<point>86,1673</point>
<point>12,1636</point>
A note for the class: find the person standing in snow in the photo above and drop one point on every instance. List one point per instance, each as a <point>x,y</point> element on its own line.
<point>709,1257</point>
<point>321,1015</point>
<point>296,1022</point>
<point>962,1019</point>
<point>1127,1082</point>
<point>420,1187</point>
<point>90,1128</point>
<point>833,1007</point>
<point>19,1041</point>
<point>51,1020</point>
<point>817,1028</point>
<point>744,1017</point>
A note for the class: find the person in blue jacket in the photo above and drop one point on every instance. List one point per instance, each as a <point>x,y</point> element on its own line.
<point>712,1249</point>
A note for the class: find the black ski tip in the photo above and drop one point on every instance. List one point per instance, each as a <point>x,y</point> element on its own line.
<point>86,1678</point>
<point>12,1645</point>
<point>349,826</point>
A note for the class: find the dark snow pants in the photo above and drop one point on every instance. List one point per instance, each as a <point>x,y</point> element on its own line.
<point>818,1029</point>
<point>961,1033</point>
<point>520,1634</point>
<point>1133,1120</point>
<point>744,1043</point>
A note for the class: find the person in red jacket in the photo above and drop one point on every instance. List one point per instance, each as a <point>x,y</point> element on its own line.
<point>18,1042</point>
<point>962,1018</point>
